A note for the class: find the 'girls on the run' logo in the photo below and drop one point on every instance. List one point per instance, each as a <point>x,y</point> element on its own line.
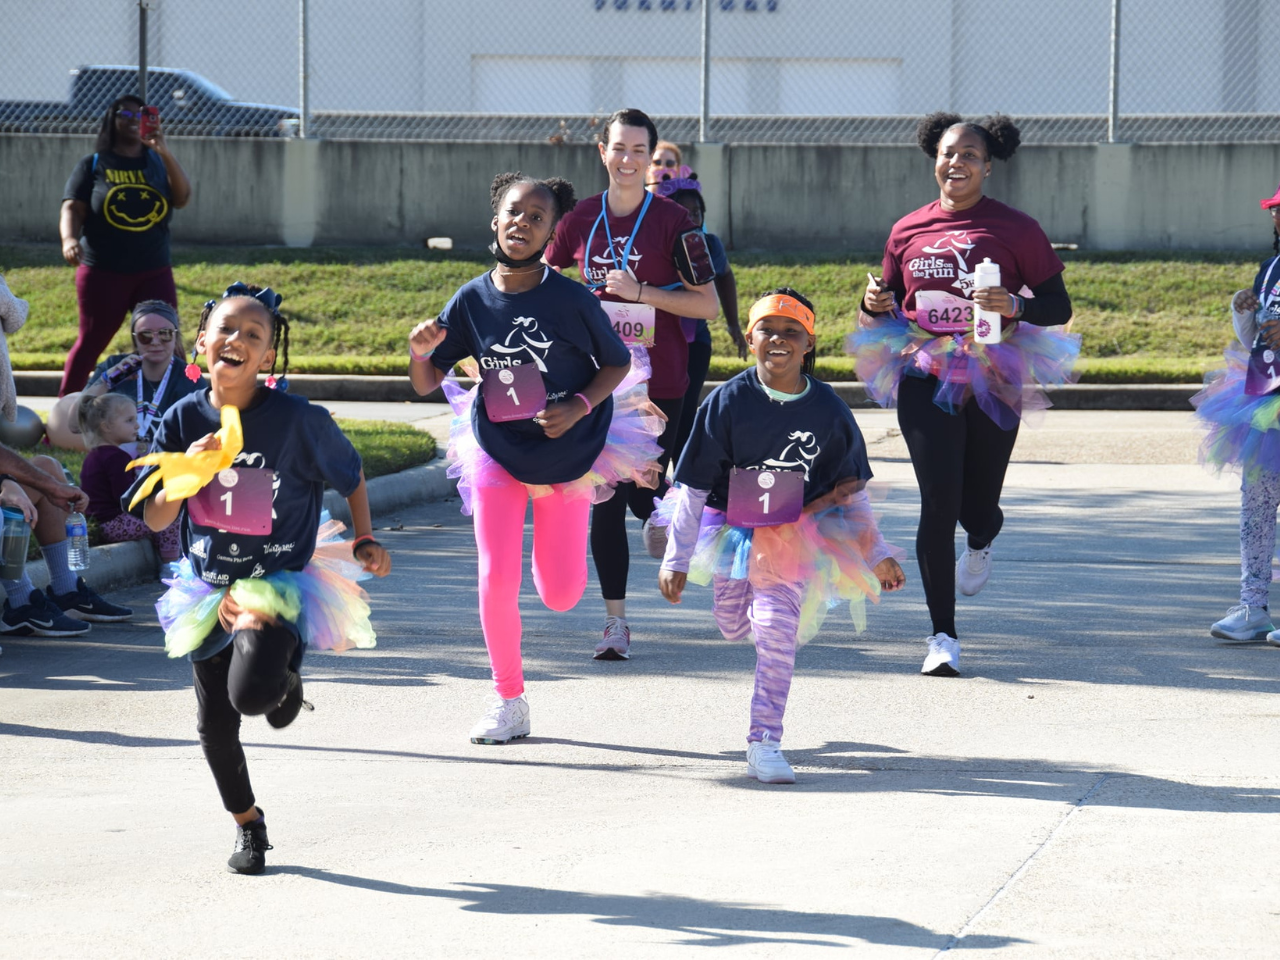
<point>801,450</point>
<point>610,258</point>
<point>524,338</point>
<point>948,260</point>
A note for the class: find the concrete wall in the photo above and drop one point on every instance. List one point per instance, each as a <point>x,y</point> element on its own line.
<point>1103,197</point>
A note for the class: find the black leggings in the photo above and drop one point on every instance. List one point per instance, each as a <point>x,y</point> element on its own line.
<point>609,547</point>
<point>249,677</point>
<point>699,364</point>
<point>960,462</point>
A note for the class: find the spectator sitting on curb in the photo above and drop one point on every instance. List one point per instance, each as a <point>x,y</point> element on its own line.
<point>39,490</point>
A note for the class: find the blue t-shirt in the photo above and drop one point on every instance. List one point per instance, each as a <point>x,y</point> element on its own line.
<point>738,425</point>
<point>558,325</point>
<point>303,447</point>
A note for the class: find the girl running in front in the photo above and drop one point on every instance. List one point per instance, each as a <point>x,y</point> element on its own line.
<point>559,415</point>
<point>245,467</point>
<point>769,506</point>
<point>1240,408</point>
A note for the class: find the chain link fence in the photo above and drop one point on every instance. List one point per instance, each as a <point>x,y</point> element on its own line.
<point>793,71</point>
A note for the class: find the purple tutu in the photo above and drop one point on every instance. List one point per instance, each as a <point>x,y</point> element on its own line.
<point>1007,380</point>
<point>1242,433</point>
<point>630,451</point>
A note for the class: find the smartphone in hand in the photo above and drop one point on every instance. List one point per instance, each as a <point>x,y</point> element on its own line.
<point>149,123</point>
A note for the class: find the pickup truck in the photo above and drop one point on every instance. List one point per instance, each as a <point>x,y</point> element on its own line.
<point>190,106</point>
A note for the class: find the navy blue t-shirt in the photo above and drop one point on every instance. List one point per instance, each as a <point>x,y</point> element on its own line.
<point>303,447</point>
<point>558,325</point>
<point>719,263</point>
<point>738,425</point>
<point>127,229</point>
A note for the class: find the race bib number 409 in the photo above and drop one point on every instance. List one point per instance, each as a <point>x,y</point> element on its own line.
<point>633,322</point>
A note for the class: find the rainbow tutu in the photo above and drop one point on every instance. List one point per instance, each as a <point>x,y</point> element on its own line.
<point>630,451</point>
<point>1242,433</point>
<point>824,552</point>
<point>1007,380</point>
<point>330,610</point>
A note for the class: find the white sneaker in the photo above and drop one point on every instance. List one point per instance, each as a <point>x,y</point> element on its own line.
<point>943,659</point>
<point>1273,638</point>
<point>655,539</point>
<point>505,720</point>
<point>616,644</point>
<point>1243,622</point>
<point>766,763</point>
<point>972,570</point>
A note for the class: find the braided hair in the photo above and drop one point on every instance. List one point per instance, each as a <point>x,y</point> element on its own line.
<point>279,322</point>
<point>810,358</point>
<point>998,133</point>
<point>560,191</point>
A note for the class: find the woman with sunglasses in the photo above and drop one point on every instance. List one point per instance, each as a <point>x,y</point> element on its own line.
<point>665,164</point>
<point>115,230</point>
<point>153,375</point>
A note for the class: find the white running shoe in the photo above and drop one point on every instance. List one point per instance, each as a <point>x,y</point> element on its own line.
<point>504,721</point>
<point>655,539</point>
<point>616,644</point>
<point>1273,638</point>
<point>943,659</point>
<point>766,763</point>
<point>1243,622</point>
<point>972,570</point>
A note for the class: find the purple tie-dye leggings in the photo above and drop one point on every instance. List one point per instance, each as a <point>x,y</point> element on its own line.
<point>773,613</point>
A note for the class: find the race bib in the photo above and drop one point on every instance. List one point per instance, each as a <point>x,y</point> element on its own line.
<point>513,393</point>
<point>764,498</point>
<point>633,322</point>
<point>940,312</point>
<point>1263,373</point>
<point>237,500</point>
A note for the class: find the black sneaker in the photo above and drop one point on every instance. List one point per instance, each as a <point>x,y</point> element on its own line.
<point>287,711</point>
<point>39,618</point>
<point>250,853</point>
<point>83,604</point>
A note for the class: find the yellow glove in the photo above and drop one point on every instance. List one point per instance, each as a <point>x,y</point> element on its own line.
<point>184,474</point>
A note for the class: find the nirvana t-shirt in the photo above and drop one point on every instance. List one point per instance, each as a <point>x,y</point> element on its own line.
<point>930,257</point>
<point>127,229</point>
<point>651,260</point>
<point>738,425</point>
<point>299,445</point>
<point>557,326</point>
<point>177,388</point>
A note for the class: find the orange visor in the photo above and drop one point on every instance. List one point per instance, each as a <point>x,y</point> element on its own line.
<point>779,305</point>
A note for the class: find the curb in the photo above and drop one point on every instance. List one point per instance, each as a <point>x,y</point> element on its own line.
<point>122,564</point>
<point>320,387</point>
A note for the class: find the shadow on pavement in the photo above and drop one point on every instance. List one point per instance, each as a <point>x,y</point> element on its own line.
<point>697,922</point>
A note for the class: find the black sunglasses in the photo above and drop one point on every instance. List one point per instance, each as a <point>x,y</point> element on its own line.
<point>147,337</point>
<point>663,163</point>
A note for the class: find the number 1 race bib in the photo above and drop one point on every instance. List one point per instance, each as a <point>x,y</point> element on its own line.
<point>633,322</point>
<point>764,498</point>
<point>940,312</point>
<point>237,500</point>
<point>1263,374</point>
<point>513,393</point>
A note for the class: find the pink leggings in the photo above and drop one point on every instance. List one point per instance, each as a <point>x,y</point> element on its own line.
<point>559,563</point>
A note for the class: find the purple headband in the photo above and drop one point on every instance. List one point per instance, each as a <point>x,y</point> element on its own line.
<point>667,187</point>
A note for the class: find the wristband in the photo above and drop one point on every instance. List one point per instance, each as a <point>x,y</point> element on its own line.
<point>1018,306</point>
<point>359,542</point>
<point>583,398</point>
<point>421,357</point>
<point>640,291</point>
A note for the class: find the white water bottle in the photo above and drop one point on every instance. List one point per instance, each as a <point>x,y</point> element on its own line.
<point>986,323</point>
<point>77,541</point>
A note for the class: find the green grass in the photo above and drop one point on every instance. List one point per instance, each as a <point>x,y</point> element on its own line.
<point>1147,315</point>
<point>385,447</point>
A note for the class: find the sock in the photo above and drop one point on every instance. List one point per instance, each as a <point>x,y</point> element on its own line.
<point>60,576</point>
<point>18,591</point>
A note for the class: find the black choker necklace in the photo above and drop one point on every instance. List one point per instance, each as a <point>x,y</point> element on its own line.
<point>498,254</point>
